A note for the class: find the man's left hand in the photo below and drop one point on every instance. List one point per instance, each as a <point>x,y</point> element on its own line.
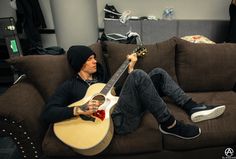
<point>133,59</point>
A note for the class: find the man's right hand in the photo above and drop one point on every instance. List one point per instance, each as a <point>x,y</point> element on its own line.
<point>92,107</point>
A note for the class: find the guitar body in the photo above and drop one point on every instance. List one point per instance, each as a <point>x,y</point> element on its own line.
<point>85,136</point>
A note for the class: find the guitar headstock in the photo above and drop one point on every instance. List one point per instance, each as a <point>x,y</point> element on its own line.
<point>140,51</point>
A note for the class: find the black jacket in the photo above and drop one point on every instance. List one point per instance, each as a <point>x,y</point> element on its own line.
<point>232,24</point>
<point>30,19</point>
<point>69,92</point>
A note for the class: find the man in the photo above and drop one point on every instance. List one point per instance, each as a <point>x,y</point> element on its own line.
<point>232,22</point>
<point>139,93</point>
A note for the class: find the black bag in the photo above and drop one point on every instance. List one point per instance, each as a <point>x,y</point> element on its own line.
<point>54,50</point>
<point>127,40</point>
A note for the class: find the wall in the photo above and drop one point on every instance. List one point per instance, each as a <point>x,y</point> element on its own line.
<point>184,9</point>
<point>47,39</point>
<point>75,22</point>
<point>5,9</point>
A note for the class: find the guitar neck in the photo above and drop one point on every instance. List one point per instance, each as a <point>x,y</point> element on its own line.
<point>115,77</point>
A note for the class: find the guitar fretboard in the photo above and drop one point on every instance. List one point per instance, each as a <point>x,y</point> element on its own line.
<point>115,77</point>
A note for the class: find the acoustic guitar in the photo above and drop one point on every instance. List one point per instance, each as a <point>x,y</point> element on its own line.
<point>90,135</point>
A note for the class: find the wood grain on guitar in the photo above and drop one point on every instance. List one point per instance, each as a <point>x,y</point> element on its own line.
<point>91,135</point>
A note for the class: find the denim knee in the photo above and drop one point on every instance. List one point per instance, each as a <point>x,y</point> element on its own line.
<point>158,70</point>
<point>138,73</point>
<point>138,76</point>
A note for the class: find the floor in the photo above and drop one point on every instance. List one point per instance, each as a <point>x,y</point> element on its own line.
<point>3,88</point>
<point>8,149</point>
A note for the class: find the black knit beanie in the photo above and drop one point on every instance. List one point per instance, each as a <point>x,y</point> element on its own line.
<point>77,55</point>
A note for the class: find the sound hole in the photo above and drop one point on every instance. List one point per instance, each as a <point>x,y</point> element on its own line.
<point>100,98</point>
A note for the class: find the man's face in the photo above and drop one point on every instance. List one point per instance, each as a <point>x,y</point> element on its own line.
<point>90,65</point>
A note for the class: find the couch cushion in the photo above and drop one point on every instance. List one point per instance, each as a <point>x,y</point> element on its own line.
<point>205,67</point>
<point>17,104</point>
<point>215,132</point>
<point>159,55</point>
<point>47,71</point>
<point>145,139</point>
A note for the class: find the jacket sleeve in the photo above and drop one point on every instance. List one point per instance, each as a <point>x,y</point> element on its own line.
<point>57,106</point>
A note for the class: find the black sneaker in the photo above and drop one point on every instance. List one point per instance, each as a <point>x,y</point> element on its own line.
<point>109,16</point>
<point>205,112</point>
<point>181,130</point>
<point>111,9</point>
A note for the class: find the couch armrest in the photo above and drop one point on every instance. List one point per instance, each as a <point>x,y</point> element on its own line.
<point>20,109</point>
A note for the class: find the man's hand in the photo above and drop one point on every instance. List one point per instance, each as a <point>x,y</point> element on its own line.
<point>92,107</point>
<point>133,59</point>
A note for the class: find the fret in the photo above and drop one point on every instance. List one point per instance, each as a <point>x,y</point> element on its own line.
<point>115,77</point>
<point>140,51</point>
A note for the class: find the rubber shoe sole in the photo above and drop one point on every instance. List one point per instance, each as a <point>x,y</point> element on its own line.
<point>109,11</point>
<point>208,114</point>
<point>172,134</point>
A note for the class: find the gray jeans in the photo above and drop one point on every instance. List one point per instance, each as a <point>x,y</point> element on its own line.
<point>142,92</point>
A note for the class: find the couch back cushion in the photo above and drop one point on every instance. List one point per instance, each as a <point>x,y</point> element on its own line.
<point>159,55</point>
<point>205,67</point>
<point>47,72</point>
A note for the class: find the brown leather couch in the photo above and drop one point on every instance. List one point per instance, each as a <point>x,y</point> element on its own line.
<point>206,71</point>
